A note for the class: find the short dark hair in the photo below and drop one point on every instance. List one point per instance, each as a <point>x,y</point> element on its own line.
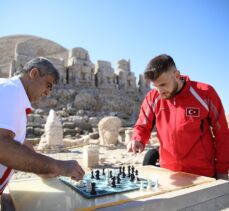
<point>157,66</point>
<point>44,66</point>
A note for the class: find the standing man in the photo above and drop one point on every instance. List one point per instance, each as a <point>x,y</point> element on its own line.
<point>189,119</point>
<point>16,93</point>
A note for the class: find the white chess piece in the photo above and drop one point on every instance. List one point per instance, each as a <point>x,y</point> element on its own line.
<point>80,183</point>
<point>108,181</point>
<point>156,183</point>
<point>142,186</point>
<point>88,186</point>
<point>136,181</point>
<point>149,186</point>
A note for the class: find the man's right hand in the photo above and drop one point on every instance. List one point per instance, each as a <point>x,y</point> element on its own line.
<point>135,146</point>
<point>71,168</point>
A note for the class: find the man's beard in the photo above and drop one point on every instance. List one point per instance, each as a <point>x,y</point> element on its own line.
<point>173,93</point>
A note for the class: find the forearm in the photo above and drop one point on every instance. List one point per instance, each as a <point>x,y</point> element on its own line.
<point>20,157</point>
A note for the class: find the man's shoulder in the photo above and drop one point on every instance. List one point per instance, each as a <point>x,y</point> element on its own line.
<point>201,86</point>
<point>9,86</point>
<point>153,94</point>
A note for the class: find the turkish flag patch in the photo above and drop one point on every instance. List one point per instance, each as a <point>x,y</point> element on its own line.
<point>194,112</point>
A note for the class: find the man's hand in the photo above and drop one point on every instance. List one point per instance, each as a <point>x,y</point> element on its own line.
<point>135,146</point>
<point>71,168</point>
<point>222,176</point>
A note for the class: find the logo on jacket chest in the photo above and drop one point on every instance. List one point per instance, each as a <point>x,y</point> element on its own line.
<point>192,112</point>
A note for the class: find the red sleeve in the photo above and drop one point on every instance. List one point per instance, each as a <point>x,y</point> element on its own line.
<point>145,122</point>
<point>220,131</point>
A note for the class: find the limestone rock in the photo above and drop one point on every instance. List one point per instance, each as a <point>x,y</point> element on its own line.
<point>90,155</point>
<point>109,130</point>
<point>52,140</point>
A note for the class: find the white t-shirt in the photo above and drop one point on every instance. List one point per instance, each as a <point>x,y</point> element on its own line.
<point>14,103</point>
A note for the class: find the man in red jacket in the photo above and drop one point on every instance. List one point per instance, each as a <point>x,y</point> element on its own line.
<point>189,119</point>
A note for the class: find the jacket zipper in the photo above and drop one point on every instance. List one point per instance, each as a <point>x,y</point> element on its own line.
<point>175,133</point>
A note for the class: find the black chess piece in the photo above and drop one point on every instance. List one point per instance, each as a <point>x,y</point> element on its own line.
<point>128,171</point>
<point>120,170</point>
<point>103,171</point>
<point>93,191</point>
<point>123,169</point>
<point>136,172</point>
<point>132,177</point>
<point>92,175</point>
<point>118,179</point>
<point>113,182</point>
<point>132,169</point>
<point>123,174</point>
<point>97,174</point>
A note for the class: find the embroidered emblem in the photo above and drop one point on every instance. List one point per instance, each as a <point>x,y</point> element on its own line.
<point>194,112</point>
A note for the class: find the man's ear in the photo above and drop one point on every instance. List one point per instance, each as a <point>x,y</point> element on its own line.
<point>177,74</point>
<point>34,73</point>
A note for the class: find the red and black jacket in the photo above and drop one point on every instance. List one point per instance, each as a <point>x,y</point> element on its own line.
<point>191,127</point>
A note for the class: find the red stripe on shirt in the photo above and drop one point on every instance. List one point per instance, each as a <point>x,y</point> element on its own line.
<point>5,175</point>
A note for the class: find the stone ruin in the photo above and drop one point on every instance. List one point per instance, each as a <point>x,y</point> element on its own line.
<point>87,93</point>
<point>109,130</point>
<point>52,139</point>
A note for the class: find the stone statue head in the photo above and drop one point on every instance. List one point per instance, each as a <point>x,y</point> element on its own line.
<point>109,130</point>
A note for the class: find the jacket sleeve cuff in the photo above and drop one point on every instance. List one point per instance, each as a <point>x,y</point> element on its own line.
<point>138,138</point>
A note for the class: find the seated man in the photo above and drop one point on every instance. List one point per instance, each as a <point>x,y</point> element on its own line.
<point>16,95</point>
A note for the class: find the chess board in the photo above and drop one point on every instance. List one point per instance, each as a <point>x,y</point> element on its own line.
<point>102,188</point>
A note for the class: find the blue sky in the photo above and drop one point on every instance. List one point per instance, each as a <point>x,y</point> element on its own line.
<point>194,32</point>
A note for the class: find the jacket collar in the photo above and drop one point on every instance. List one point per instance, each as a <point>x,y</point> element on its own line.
<point>185,89</point>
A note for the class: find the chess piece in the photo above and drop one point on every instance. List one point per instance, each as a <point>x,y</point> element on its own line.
<point>80,183</point>
<point>120,170</point>
<point>113,182</point>
<point>123,174</point>
<point>149,186</point>
<point>93,191</point>
<point>108,181</point>
<point>142,188</point>
<point>136,181</point>
<point>132,177</point>
<point>88,186</point>
<point>92,175</point>
<point>132,169</point>
<point>156,183</point>
<point>136,172</point>
<point>118,179</point>
<point>97,174</point>
<point>123,169</point>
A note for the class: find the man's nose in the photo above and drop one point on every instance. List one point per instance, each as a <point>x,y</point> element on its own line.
<point>46,92</point>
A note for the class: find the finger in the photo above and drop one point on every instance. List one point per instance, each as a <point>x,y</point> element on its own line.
<point>76,178</point>
<point>134,148</point>
<point>81,171</point>
<point>141,148</point>
<point>129,147</point>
